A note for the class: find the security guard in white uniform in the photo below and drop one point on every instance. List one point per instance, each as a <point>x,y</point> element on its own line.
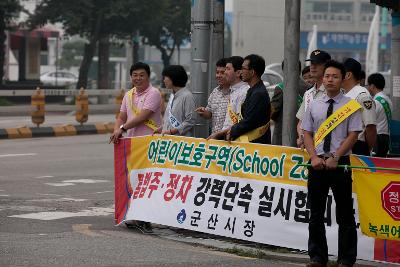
<point>351,85</point>
<point>318,58</point>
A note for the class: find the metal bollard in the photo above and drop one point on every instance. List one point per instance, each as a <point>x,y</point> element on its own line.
<point>37,107</point>
<point>82,106</point>
<point>118,101</point>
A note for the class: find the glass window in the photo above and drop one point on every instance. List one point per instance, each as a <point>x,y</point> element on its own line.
<point>43,58</point>
<point>342,7</point>
<point>367,8</point>
<point>319,6</point>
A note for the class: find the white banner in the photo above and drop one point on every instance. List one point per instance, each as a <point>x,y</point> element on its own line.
<point>261,211</point>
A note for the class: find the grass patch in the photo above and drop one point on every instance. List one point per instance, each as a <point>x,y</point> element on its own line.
<point>5,102</point>
<point>251,253</point>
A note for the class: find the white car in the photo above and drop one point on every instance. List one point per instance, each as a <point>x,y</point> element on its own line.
<point>60,78</point>
<point>270,79</point>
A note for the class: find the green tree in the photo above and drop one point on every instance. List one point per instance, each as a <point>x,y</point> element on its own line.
<point>95,20</point>
<point>168,27</point>
<point>78,17</point>
<point>9,9</point>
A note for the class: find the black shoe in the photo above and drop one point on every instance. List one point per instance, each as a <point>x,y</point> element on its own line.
<point>314,264</point>
<point>147,228</point>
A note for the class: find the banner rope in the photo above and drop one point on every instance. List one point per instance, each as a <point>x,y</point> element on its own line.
<point>357,167</point>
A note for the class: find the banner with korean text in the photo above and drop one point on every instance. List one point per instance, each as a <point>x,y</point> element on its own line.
<point>240,190</point>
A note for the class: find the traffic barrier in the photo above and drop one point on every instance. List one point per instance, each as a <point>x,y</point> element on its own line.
<point>60,130</point>
<point>37,107</point>
<point>82,106</point>
<point>118,101</point>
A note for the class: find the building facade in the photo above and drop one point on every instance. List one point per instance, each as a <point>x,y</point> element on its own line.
<point>343,26</point>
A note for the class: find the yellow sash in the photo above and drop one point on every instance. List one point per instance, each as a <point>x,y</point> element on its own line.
<point>149,122</point>
<point>253,134</point>
<point>335,119</point>
<point>234,117</point>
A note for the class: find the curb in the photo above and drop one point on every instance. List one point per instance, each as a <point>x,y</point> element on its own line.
<point>61,130</point>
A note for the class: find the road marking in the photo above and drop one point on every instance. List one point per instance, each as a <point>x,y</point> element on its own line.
<point>104,192</point>
<point>56,195</point>
<point>4,195</point>
<point>64,199</point>
<point>48,216</point>
<point>81,181</point>
<point>45,176</point>
<point>59,184</point>
<point>84,229</point>
<point>17,155</point>
<point>85,181</point>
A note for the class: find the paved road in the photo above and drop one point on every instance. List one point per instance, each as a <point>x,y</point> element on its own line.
<point>56,209</point>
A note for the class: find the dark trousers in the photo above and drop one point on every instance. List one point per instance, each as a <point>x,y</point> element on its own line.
<point>381,147</point>
<point>361,148</point>
<point>340,182</point>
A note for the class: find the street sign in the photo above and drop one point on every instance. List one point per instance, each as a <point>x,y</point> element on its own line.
<point>390,196</point>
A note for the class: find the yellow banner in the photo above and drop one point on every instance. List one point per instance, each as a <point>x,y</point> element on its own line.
<point>335,119</point>
<point>246,160</point>
<point>378,196</point>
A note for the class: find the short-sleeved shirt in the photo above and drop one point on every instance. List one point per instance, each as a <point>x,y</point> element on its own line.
<point>236,99</point>
<point>309,96</point>
<point>315,115</point>
<point>181,106</point>
<point>362,96</point>
<point>217,104</point>
<point>149,99</point>
<point>382,126</point>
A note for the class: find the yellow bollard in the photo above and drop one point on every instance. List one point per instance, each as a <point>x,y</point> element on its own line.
<point>118,101</point>
<point>37,107</point>
<point>82,106</point>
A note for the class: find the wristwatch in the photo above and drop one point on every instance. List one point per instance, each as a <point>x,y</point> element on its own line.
<point>122,128</point>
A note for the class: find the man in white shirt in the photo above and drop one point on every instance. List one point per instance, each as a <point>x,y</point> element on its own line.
<point>238,91</point>
<point>384,107</point>
<point>351,85</point>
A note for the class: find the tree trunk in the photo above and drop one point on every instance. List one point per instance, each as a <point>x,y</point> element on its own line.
<point>103,52</point>
<point>102,73</point>
<point>165,56</point>
<point>88,54</point>
<point>2,46</point>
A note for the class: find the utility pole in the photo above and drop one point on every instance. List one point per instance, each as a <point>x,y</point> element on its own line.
<point>207,17</point>
<point>383,37</point>
<point>291,71</point>
<point>217,39</point>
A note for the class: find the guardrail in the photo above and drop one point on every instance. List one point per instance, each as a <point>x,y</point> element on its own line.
<point>60,92</point>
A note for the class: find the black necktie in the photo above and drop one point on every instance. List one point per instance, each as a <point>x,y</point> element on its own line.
<point>327,141</point>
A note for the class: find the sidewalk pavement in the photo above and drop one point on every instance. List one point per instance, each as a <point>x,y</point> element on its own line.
<point>246,248</point>
<point>25,110</point>
<point>64,127</point>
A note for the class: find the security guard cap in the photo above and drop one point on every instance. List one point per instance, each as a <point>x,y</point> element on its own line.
<point>319,56</point>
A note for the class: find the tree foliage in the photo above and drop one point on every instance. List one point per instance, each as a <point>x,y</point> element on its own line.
<point>164,24</point>
<point>168,28</point>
